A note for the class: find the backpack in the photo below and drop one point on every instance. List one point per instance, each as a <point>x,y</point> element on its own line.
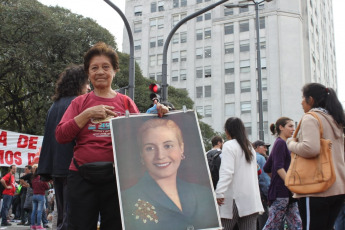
<point>214,161</point>
<point>2,188</point>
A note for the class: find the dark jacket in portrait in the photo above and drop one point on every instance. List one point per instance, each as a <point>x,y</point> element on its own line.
<point>55,158</point>
<point>147,207</point>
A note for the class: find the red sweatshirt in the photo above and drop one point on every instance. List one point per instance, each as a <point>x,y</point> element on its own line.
<point>93,141</point>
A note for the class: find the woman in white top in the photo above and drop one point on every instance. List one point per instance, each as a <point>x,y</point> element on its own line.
<point>237,190</point>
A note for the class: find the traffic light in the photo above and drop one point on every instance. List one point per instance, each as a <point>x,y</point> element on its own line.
<point>155,89</point>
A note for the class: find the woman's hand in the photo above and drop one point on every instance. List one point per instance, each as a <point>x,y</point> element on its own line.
<point>220,201</point>
<point>100,111</point>
<point>161,109</point>
<point>96,112</point>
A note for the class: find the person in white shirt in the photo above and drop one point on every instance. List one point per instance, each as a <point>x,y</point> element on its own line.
<point>237,192</point>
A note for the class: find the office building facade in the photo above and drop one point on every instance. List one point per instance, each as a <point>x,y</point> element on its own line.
<point>213,56</point>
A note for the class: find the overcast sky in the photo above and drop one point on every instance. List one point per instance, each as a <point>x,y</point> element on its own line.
<point>107,17</point>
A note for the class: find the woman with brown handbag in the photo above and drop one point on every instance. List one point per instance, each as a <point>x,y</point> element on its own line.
<point>320,210</point>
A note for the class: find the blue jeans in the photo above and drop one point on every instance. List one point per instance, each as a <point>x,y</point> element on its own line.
<point>340,221</point>
<point>37,207</point>
<point>6,204</point>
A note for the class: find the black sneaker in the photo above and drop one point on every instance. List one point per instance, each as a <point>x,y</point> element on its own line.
<point>6,224</point>
<point>27,224</point>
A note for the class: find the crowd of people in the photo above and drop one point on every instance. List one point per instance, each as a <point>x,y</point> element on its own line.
<point>28,201</point>
<point>243,195</point>
<point>77,160</point>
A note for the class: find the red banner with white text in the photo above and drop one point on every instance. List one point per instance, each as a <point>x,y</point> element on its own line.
<point>18,148</point>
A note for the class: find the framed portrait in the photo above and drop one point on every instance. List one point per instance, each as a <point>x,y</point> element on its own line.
<point>162,173</point>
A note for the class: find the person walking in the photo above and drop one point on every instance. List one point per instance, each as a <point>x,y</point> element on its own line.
<point>282,207</point>
<point>320,210</point>
<point>237,192</point>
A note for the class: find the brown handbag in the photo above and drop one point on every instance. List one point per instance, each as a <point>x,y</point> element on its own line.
<point>311,175</point>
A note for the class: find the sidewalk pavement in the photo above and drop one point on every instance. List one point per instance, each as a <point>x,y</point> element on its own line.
<point>20,227</point>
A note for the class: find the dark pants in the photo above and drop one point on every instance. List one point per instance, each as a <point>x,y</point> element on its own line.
<point>60,187</point>
<point>88,200</point>
<point>264,216</point>
<point>6,204</point>
<point>320,212</point>
<point>22,211</point>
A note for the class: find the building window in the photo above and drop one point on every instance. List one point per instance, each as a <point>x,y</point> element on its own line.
<point>244,46</point>
<point>208,16</point>
<point>245,66</point>
<point>208,52</point>
<point>200,110</point>
<point>263,63</point>
<point>199,18</point>
<point>198,1</point>
<point>229,110</point>
<point>176,3</point>
<point>176,19</point>
<point>183,74</point>
<point>262,43</point>
<point>159,77</point>
<point>246,107</point>
<point>160,41</point>
<point>199,53</point>
<point>160,23</point>
<point>262,23</point>
<point>174,75</point>
<point>244,26</point>
<point>175,56</point>
<point>159,59</point>
<point>183,55</point>
<point>153,7</point>
<point>199,72</point>
<point>248,127</point>
<point>264,106</point>
<point>208,111</point>
<point>244,9</point>
<point>153,22</point>
<point>137,27</point>
<point>183,37</point>
<point>176,38</point>
<point>199,35</point>
<point>152,60</point>
<point>229,48</point>
<point>229,28</point>
<point>183,3</point>
<point>245,86</point>
<point>228,11</point>
<point>138,10</point>
<point>152,76</point>
<point>208,71</point>
<point>137,44</point>
<point>161,6</point>
<point>152,42</point>
<point>199,92</point>
<point>229,87</point>
<point>263,84</point>
<point>229,67</point>
<point>207,32</point>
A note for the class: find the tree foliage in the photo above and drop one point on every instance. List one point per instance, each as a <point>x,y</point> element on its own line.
<point>36,44</point>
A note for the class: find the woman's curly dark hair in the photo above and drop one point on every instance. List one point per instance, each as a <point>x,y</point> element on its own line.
<point>70,82</point>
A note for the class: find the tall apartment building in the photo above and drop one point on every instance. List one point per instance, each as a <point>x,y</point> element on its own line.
<point>213,56</point>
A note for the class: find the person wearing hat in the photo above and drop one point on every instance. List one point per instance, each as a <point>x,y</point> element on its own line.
<point>260,148</point>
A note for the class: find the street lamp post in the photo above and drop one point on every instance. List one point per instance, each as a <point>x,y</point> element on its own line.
<point>258,59</point>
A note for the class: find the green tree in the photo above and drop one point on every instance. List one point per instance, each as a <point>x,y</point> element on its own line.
<point>36,43</point>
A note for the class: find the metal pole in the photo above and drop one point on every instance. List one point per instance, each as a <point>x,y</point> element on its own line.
<point>258,60</point>
<point>167,42</point>
<point>131,82</point>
